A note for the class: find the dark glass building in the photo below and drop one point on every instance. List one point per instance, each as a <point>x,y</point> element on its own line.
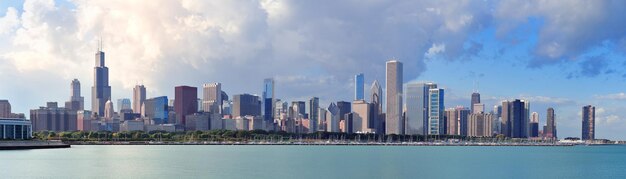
<point>185,102</point>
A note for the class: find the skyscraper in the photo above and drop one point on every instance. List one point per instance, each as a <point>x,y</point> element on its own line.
<point>185,102</point>
<point>394,123</point>
<point>109,111</point>
<point>101,91</point>
<point>549,131</point>
<point>376,97</point>
<point>514,119</point>
<point>76,101</point>
<point>436,112</point>
<point>268,99</point>
<point>359,86</point>
<point>344,108</point>
<point>123,104</point>
<point>156,109</point>
<point>5,109</point>
<point>589,123</point>
<point>479,124</point>
<point>212,97</point>
<point>417,104</point>
<point>313,110</point>
<point>139,96</point>
<point>452,124</point>
<point>246,104</point>
<point>332,118</point>
<point>362,116</point>
<point>475,100</point>
<point>534,125</point>
<point>462,113</point>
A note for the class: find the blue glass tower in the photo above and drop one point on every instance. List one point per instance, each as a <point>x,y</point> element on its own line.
<point>157,109</point>
<point>268,99</point>
<point>359,81</point>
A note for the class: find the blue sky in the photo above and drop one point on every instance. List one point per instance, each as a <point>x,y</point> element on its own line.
<point>561,54</point>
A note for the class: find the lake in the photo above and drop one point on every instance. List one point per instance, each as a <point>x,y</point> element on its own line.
<point>224,161</point>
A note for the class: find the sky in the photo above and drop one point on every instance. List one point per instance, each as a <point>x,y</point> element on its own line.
<point>554,53</point>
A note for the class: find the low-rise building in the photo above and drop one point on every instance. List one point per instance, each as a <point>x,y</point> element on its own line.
<point>15,128</point>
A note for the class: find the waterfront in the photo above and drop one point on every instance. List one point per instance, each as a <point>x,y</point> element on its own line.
<point>224,161</point>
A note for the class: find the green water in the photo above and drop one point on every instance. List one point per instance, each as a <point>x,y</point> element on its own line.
<point>315,162</point>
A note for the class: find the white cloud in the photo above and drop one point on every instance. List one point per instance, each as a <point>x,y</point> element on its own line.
<point>616,96</point>
<point>9,22</point>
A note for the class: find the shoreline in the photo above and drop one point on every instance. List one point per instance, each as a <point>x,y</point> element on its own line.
<point>27,145</point>
<point>326,144</point>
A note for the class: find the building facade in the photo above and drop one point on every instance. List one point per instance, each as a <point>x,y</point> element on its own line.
<point>139,96</point>
<point>549,131</point>
<point>359,87</point>
<point>212,98</point>
<point>268,99</point>
<point>53,118</point>
<point>185,102</point>
<point>394,121</point>
<point>101,91</point>
<point>589,123</point>
<point>13,128</point>
<point>246,105</point>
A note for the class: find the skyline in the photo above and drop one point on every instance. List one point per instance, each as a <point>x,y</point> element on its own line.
<point>578,70</point>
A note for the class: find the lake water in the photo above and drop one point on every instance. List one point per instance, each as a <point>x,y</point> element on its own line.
<point>315,162</point>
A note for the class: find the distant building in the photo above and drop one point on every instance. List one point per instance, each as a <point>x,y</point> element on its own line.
<point>480,125</point>
<point>212,98</point>
<point>185,102</point>
<point>132,125</point>
<point>124,104</point>
<point>313,110</point>
<point>101,91</point>
<point>13,128</point>
<point>332,118</point>
<point>436,111</point>
<point>534,125</point>
<point>76,102</point>
<point>5,109</point>
<point>376,98</point>
<point>109,111</point>
<point>549,130</point>
<point>139,96</point>
<point>268,99</point>
<point>417,95</point>
<point>475,100</point>
<point>156,110</point>
<point>462,113</point>
<point>452,124</point>
<point>300,108</point>
<point>394,123</point>
<point>359,87</point>
<point>246,105</point>
<point>53,118</point>
<point>515,119</point>
<point>344,108</point>
<point>478,108</point>
<point>589,123</point>
<point>362,117</point>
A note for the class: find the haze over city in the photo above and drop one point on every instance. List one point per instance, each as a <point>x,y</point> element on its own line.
<point>541,51</point>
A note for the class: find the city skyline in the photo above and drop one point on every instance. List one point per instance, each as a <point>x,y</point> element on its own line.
<point>533,69</point>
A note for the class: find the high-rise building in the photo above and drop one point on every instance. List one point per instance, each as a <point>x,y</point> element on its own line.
<point>246,105</point>
<point>417,104</point>
<point>332,118</point>
<point>53,118</point>
<point>359,87</point>
<point>549,131</point>
<point>139,96</point>
<point>475,100</point>
<point>376,98</point>
<point>109,111</point>
<point>589,123</point>
<point>479,125</point>
<point>212,98</point>
<point>515,119</point>
<point>156,109</point>
<point>123,104</point>
<point>5,109</point>
<point>362,117</point>
<point>76,101</point>
<point>313,110</point>
<point>497,118</point>
<point>185,102</point>
<point>344,108</point>
<point>436,112</point>
<point>394,123</point>
<point>534,125</point>
<point>101,91</point>
<point>452,124</point>
<point>268,99</point>
<point>462,114</point>
<point>299,108</point>
<point>478,108</point>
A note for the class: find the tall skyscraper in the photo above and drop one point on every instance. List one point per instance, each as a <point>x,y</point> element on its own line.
<point>515,119</point>
<point>475,100</point>
<point>452,124</point>
<point>589,123</point>
<point>344,108</point>
<point>246,104</point>
<point>376,98</point>
<point>156,109</point>
<point>123,104</point>
<point>393,85</point>
<point>5,109</point>
<point>362,117</point>
<point>332,118</point>
<point>417,104</point>
<point>212,98</point>
<point>462,114</point>
<point>185,102</point>
<point>534,125</point>
<point>479,125</point>
<point>359,87</point>
<point>436,110</point>
<point>101,91</point>
<point>76,101</point>
<point>549,131</point>
<point>268,99</point>
<point>109,111</point>
<point>139,96</point>
<point>313,110</point>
